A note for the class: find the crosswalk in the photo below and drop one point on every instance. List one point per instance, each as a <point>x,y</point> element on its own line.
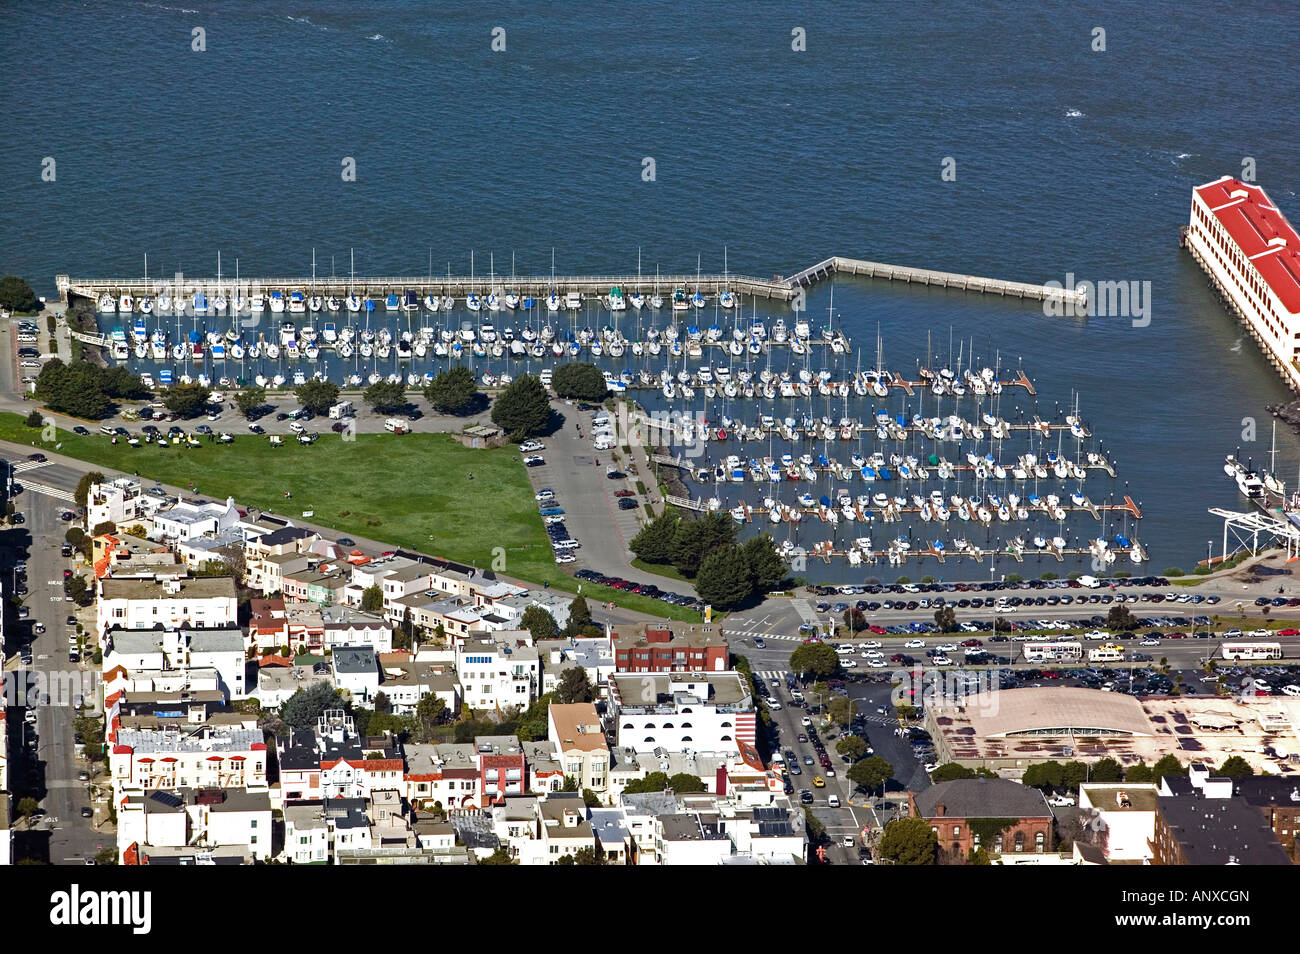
<point>767,675</point>
<point>58,494</point>
<point>25,465</point>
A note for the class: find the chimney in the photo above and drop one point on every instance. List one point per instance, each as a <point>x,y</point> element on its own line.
<point>940,809</point>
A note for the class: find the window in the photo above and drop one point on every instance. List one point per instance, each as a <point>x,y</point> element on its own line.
<point>1020,841</point>
<point>956,830</point>
<point>1038,842</point>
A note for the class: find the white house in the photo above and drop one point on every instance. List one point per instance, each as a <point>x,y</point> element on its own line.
<point>205,602</point>
<point>497,675</point>
<point>682,712</point>
<point>186,520</point>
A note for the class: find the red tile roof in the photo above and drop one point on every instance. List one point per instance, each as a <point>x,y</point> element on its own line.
<point>1262,233</point>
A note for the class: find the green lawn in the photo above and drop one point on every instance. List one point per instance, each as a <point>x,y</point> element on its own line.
<point>412,490</point>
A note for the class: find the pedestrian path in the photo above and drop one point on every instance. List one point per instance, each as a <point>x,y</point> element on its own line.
<point>65,495</point>
<point>805,610</point>
<point>767,675</point>
<point>25,465</point>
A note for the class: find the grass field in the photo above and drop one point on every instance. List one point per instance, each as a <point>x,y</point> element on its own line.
<point>413,491</point>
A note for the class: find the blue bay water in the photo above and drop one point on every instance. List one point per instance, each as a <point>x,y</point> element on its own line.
<point>1068,161</point>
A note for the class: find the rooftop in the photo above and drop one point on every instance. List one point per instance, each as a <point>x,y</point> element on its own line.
<point>209,587</point>
<point>982,798</point>
<point>1221,831</point>
<point>1262,233</point>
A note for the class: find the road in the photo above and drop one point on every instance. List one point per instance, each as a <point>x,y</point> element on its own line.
<point>63,837</point>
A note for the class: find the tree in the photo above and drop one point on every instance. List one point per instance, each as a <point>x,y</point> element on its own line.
<point>498,857</point>
<point>186,400</point>
<point>1168,765</point>
<point>656,541</point>
<point>978,856</point>
<point>372,598</point>
<point>697,538</point>
<point>946,619</point>
<point>574,686</point>
<point>579,613</point>
<point>382,703</point>
<point>28,806</point>
<point>452,391</point>
<point>654,782</point>
<point>78,590</point>
<point>75,389</point>
<point>724,579</point>
<point>950,771</point>
<point>17,295</point>
<point>589,856</point>
<point>34,418</point>
<point>540,623</point>
<point>1120,618</point>
<point>250,399</point>
<point>385,395</point>
<point>581,381</point>
<point>590,798</point>
<point>1107,770</point>
<point>303,708</point>
<point>909,841</point>
<point>1138,773</point>
<point>870,773</point>
<point>852,746</point>
<point>316,395</point>
<point>1044,775</point>
<point>522,409</point>
<point>1235,767</point>
<point>82,493</point>
<point>855,620</point>
<point>815,659</point>
<point>766,568</point>
<point>430,711</point>
<point>684,783</point>
<point>842,710</point>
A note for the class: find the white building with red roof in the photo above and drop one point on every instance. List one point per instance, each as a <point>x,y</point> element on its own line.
<point>1252,253</point>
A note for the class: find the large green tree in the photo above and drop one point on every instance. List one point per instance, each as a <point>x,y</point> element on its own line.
<point>82,492</point>
<point>870,773</point>
<point>317,396</point>
<point>303,708</point>
<point>654,782</point>
<point>17,295</point>
<point>372,598</point>
<point>76,389</point>
<point>696,539</point>
<point>766,568</point>
<point>522,409</point>
<point>186,400</point>
<point>909,841</point>
<point>1167,765</point>
<point>842,710</point>
<point>723,579</point>
<point>814,659</point>
<point>1235,767</point>
<point>684,783</point>
<point>385,396</point>
<point>574,686</point>
<point>579,380</point>
<point>655,542</point>
<point>452,391</point>
<point>1105,770</point>
<point>250,399</point>
<point>852,746</point>
<point>540,623</point>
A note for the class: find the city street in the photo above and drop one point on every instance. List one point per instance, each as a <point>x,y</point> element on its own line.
<point>63,835</point>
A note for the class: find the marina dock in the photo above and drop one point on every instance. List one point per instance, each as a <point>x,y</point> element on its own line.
<point>777,288</point>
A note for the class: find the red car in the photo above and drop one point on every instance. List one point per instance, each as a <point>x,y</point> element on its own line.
<point>1288,632</point>
<point>878,630</point>
<point>624,493</point>
<point>972,642</point>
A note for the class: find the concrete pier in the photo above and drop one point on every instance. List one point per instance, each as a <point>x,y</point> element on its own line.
<point>539,286</point>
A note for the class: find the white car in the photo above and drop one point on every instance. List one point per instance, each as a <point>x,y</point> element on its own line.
<point>535,459</point>
<point>871,644</point>
<point>1291,690</point>
<point>849,664</point>
<point>872,654</point>
<point>844,650</point>
<point>565,558</point>
<point>1150,641</point>
<point>774,705</point>
<point>544,495</point>
<point>296,427</point>
<point>942,661</point>
<point>947,647</point>
<point>1061,801</point>
<point>528,447</point>
<point>914,644</point>
<point>877,664</point>
<point>805,722</point>
<point>553,518</point>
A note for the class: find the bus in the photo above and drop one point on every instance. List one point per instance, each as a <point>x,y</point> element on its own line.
<point>1068,651</point>
<point>1252,650</point>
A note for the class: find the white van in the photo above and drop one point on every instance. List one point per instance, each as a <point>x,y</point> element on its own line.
<point>833,801</point>
<point>1091,582</point>
<point>396,425</point>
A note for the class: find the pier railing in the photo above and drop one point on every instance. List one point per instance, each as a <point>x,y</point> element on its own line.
<point>539,286</point>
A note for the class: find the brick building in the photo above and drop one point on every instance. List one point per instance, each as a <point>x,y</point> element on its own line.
<point>961,810</point>
<point>655,649</point>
